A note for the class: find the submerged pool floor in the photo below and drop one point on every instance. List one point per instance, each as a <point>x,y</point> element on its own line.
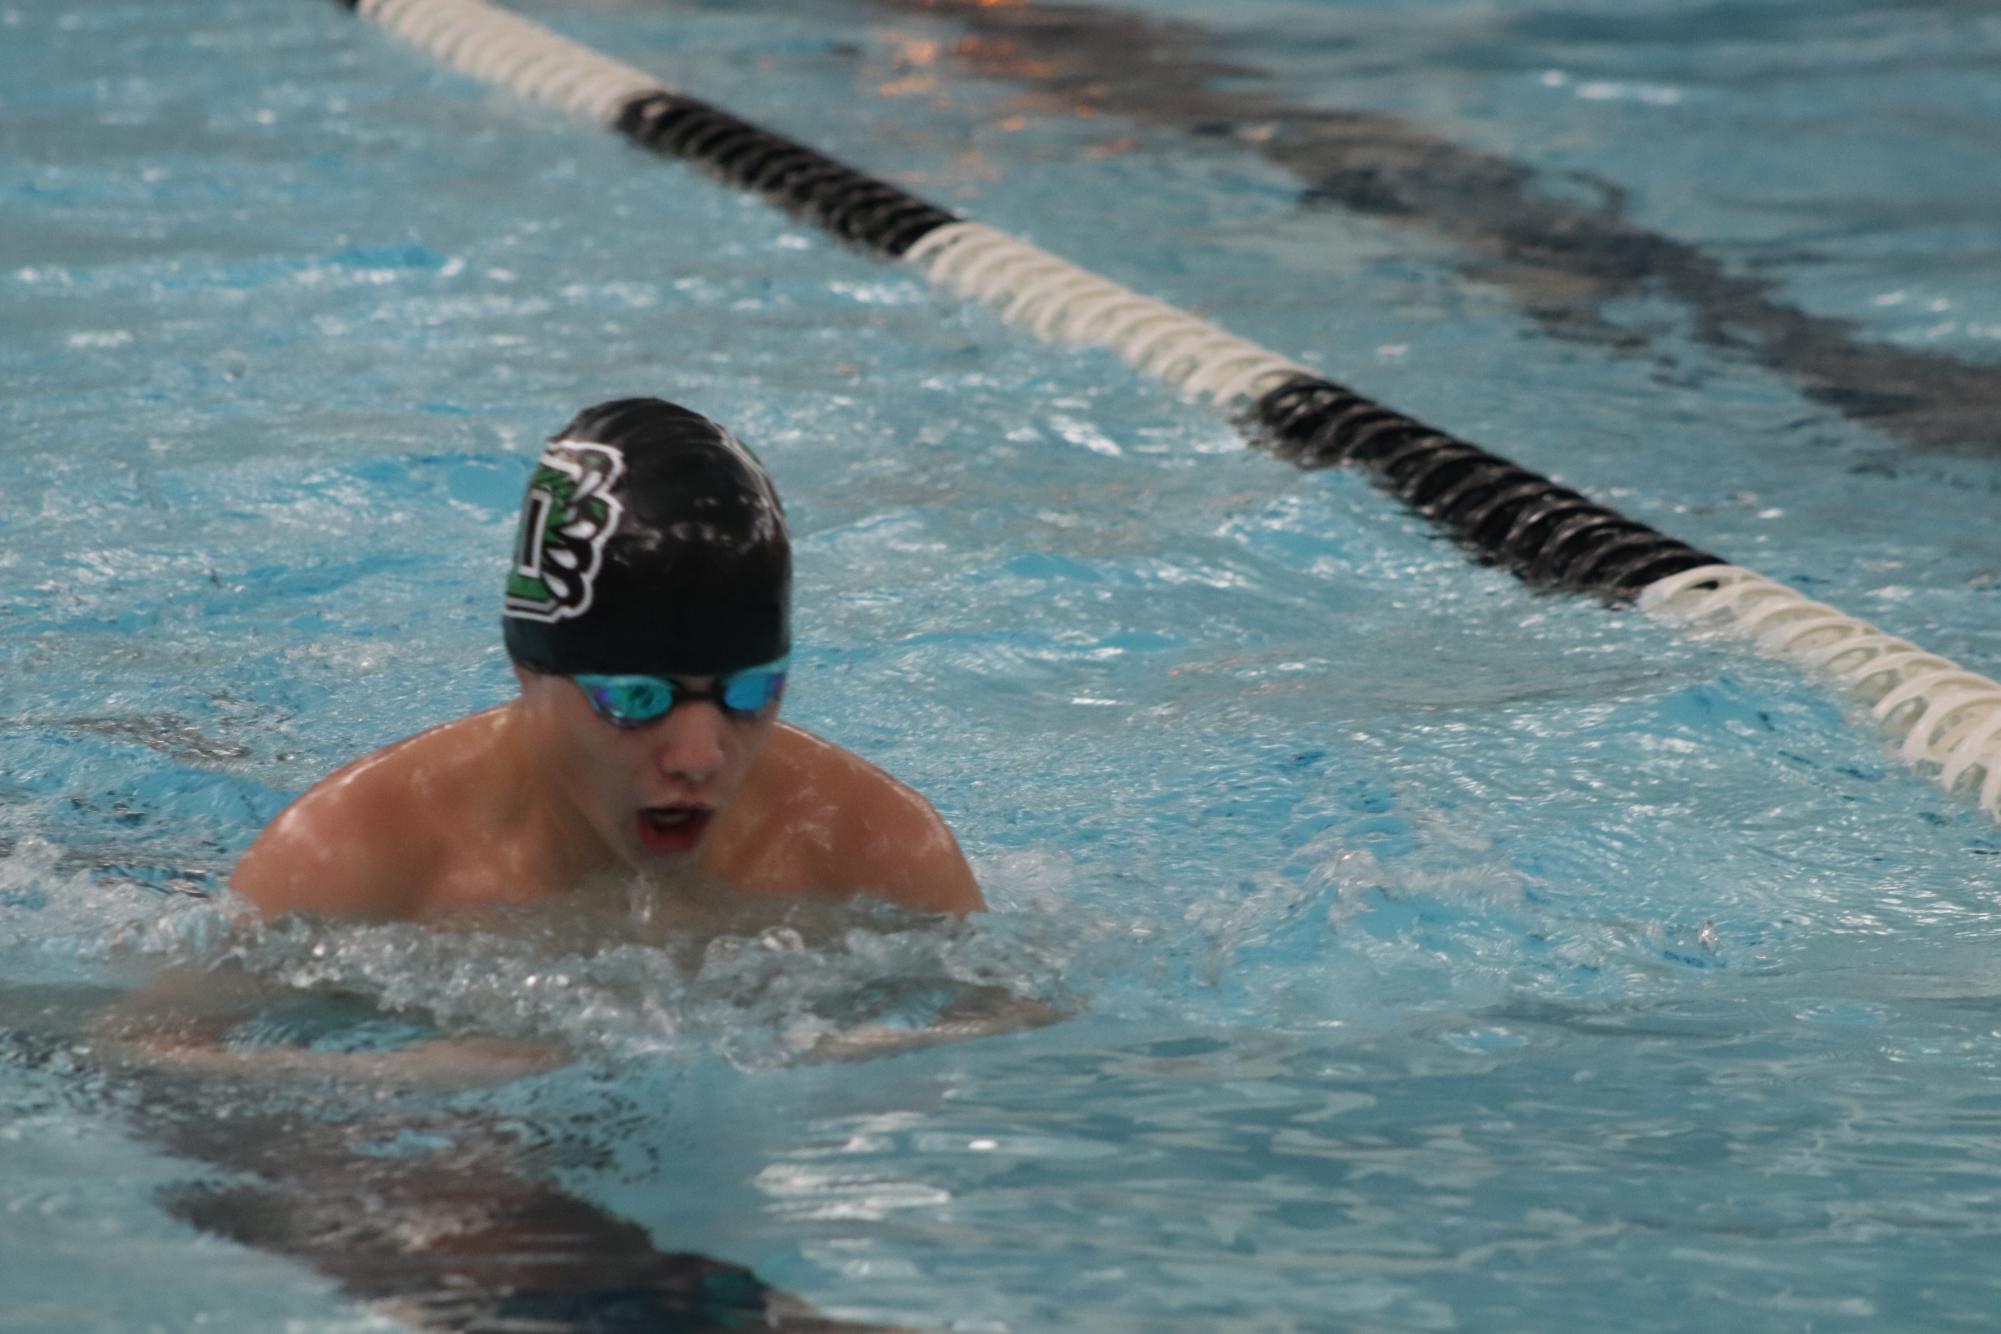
<point>1436,955</point>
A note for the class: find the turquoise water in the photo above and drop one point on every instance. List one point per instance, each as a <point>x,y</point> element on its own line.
<point>1438,955</point>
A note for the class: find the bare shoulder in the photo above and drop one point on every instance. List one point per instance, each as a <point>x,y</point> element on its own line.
<point>886,839</point>
<point>359,842</point>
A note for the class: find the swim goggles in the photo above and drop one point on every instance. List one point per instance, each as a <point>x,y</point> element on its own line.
<point>634,701</point>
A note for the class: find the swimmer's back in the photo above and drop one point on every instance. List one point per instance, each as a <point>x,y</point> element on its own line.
<point>431,824</point>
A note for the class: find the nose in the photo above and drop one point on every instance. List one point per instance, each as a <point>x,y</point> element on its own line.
<point>691,741</point>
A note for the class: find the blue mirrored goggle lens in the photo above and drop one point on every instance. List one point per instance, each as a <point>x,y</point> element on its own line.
<point>630,701</point>
<point>748,692</point>
<point>634,699</point>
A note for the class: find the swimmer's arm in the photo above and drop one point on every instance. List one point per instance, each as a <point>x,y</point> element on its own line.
<point>181,1020</point>
<point>453,1063</point>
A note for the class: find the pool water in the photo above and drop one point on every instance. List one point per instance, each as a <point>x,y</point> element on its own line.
<point>1435,954</point>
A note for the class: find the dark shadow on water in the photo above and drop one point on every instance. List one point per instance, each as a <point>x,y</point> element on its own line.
<point>426,1213</point>
<point>1562,248</point>
<point>454,1240</point>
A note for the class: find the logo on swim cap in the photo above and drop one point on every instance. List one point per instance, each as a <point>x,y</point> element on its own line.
<point>568,516</point>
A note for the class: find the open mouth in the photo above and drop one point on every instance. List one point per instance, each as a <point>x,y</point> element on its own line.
<point>673,828</point>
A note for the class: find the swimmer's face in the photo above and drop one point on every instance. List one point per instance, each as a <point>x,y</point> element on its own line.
<point>652,793</point>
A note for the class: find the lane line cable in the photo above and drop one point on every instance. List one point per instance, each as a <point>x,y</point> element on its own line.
<point>1947,718</point>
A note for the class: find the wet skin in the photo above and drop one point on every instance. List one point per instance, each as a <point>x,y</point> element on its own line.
<point>540,797</point>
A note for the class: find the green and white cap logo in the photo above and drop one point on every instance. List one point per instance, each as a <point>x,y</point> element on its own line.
<point>569,515</point>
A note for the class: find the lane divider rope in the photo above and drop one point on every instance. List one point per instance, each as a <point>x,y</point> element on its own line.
<point>1949,718</point>
<point>502,48</point>
<point>1060,302</point>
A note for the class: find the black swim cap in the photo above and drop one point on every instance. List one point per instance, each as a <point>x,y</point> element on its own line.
<point>651,543</point>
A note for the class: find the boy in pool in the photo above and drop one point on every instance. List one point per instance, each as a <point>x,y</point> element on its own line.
<point>648,619</point>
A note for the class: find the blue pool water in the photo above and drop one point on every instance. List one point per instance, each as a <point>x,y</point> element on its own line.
<point>1437,955</point>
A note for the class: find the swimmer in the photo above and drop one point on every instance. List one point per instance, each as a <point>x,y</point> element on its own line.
<point>647,615</point>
